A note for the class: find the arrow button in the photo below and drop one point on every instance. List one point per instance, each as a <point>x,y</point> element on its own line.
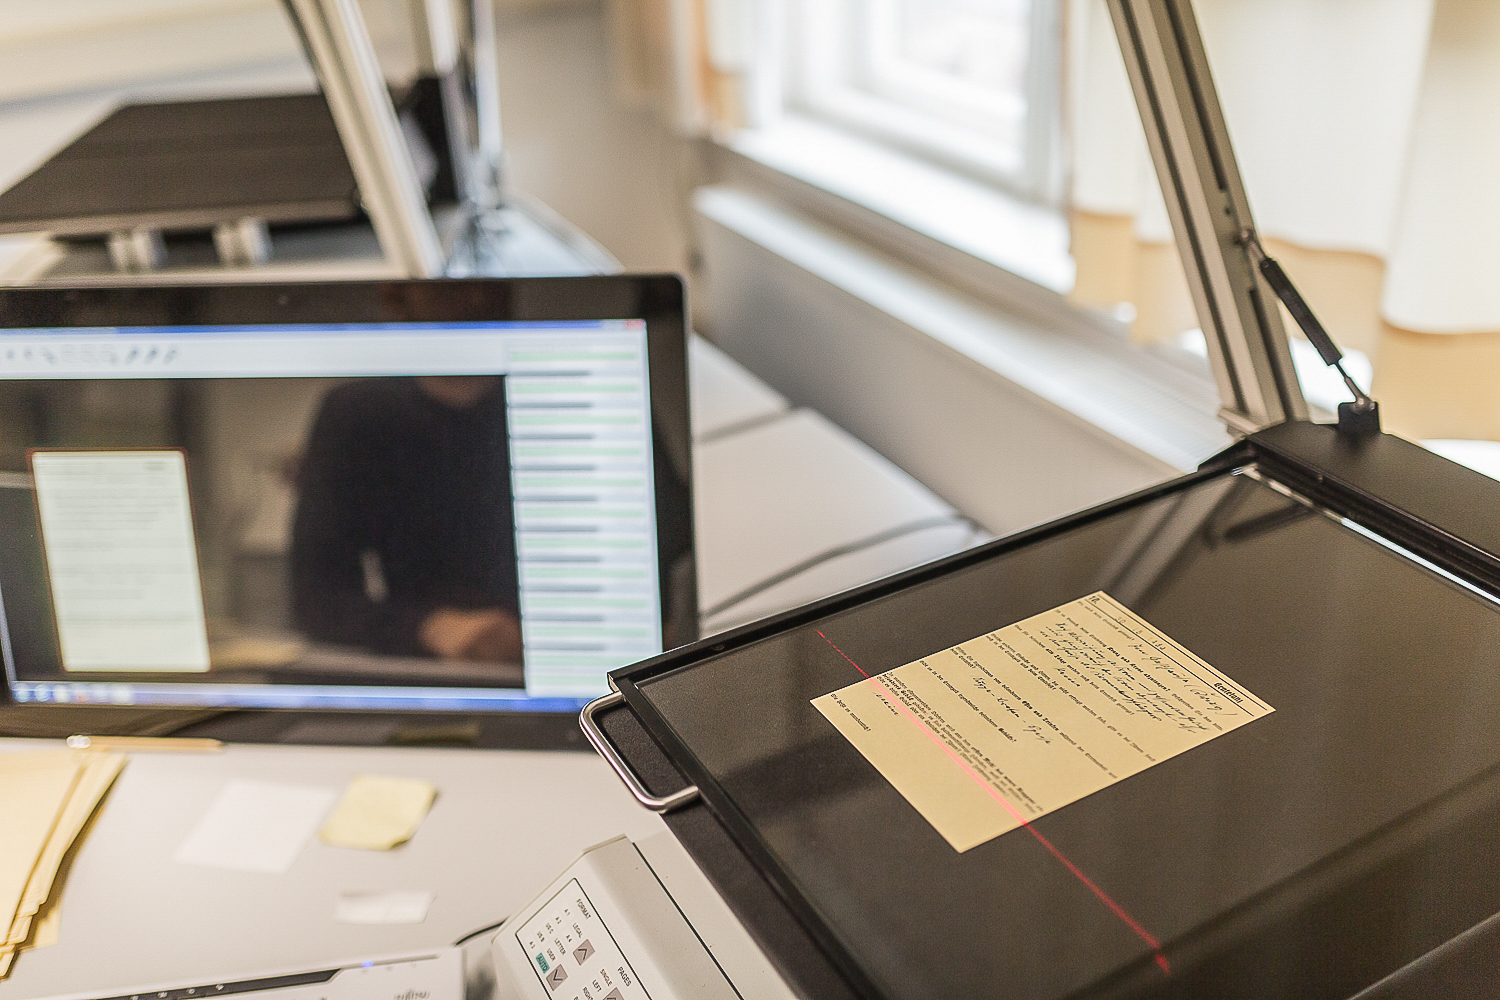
<point>582,952</point>
<point>556,976</point>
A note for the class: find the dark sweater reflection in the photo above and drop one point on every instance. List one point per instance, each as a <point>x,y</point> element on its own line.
<point>404,539</point>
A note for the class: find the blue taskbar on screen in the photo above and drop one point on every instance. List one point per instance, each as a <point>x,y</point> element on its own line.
<point>291,696</point>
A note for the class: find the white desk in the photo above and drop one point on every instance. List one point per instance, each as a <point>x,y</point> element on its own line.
<point>503,825</point>
<point>725,398</point>
<point>785,491</point>
<point>775,486</point>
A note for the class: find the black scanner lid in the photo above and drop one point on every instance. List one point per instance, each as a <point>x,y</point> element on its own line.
<point>1311,853</point>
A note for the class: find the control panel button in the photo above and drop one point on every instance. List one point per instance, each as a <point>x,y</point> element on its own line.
<point>565,927</point>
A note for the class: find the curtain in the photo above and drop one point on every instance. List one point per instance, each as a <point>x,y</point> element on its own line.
<point>1363,134</point>
<point>702,64</point>
<point>1441,337</point>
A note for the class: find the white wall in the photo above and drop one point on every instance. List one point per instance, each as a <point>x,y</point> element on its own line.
<point>608,169</point>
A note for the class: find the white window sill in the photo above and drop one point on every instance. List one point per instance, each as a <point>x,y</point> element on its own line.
<point>1139,399</point>
<point>1028,241</point>
<point>906,278</point>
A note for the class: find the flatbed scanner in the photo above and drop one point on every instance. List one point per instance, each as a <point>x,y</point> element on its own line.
<point>1344,843</point>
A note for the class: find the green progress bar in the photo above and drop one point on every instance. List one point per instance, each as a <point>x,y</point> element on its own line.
<point>549,420</point>
<point>584,543</point>
<point>551,572</point>
<point>621,633</point>
<point>579,482</point>
<point>582,601</point>
<point>572,356</point>
<point>533,451</point>
<point>572,388</point>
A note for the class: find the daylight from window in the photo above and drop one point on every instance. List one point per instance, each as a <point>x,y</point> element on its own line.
<point>962,60</point>
<point>958,82</point>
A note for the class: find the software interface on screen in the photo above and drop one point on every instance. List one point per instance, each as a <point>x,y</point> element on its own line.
<point>376,515</point>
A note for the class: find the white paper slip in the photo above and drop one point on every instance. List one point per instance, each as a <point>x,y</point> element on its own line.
<point>117,531</point>
<point>392,907</point>
<point>256,826</point>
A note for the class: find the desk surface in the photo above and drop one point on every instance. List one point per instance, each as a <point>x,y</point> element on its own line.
<point>504,823</point>
<point>725,397</point>
<point>782,492</point>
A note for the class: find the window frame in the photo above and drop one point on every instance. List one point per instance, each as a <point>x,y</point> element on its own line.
<point>825,77</point>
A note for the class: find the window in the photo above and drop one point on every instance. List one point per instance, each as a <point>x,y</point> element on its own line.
<point>972,84</point>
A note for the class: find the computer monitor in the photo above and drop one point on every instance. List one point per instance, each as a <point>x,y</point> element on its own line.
<point>453,495</point>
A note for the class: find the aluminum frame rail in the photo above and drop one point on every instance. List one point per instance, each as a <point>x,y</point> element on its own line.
<point>337,42</point>
<point>1205,198</point>
<point>486,177</point>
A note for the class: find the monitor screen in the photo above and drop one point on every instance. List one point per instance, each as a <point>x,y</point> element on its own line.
<point>455,514</point>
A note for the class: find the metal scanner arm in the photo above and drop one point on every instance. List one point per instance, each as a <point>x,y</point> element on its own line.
<point>1205,197</point>
<point>337,43</point>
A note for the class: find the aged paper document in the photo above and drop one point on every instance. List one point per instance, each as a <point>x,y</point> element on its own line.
<point>117,530</point>
<point>997,731</point>
<point>97,773</point>
<point>46,800</point>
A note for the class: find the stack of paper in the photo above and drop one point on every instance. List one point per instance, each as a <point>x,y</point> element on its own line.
<point>49,798</point>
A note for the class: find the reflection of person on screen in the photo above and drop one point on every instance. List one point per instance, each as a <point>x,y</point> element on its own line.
<point>404,537</point>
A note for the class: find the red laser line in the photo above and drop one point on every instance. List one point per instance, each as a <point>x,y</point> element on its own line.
<point>845,655</point>
<point>1104,897</point>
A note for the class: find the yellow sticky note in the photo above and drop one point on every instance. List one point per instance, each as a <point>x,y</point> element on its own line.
<point>378,813</point>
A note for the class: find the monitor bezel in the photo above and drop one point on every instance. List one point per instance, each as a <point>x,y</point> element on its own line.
<point>658,299</point>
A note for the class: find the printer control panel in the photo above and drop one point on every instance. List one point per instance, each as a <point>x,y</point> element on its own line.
<point>573,953</point>
<point>608,928</point>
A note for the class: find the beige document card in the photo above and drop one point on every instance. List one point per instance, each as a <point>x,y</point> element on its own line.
<point>997,731</point>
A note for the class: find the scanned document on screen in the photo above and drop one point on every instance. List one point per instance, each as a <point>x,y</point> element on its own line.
<point>997,731</point>
<point>117,530</point>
